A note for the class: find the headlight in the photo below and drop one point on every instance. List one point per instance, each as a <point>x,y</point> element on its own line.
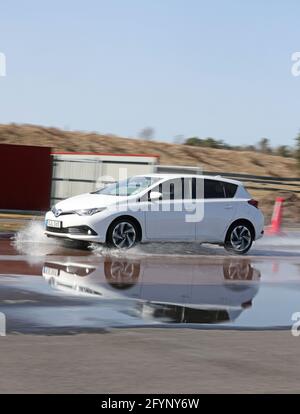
<point>55,211</point>
<point>89,211</point>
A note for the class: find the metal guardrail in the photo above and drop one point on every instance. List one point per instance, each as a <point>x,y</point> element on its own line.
<point>261,181</point>
<point>264,182</point>
<point>249,177</point>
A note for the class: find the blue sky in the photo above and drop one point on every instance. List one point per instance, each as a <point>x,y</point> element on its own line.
<point>196,68</point>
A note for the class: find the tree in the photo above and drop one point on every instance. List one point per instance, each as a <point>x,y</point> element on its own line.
<point>193,141</point>
<point>207,142</point>
<point>264,146</point>
<point>147,133</point>
<point>211,143</point>
<point>283,151</point>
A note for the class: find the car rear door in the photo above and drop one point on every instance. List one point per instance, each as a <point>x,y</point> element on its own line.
<point>219,209</point>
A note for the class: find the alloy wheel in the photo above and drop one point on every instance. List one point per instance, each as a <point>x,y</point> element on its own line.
<point>124,235</point>
<point>240,238</point>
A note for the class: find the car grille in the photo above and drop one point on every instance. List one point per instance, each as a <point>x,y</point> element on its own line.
<point>57,230</point>
<point>84,230</point>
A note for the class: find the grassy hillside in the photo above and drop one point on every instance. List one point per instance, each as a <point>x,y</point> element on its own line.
<point>210,159</point>
<point>173,154</point>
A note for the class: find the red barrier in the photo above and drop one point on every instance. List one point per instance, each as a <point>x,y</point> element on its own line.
<point>275,227</point>
<point>26,174</point>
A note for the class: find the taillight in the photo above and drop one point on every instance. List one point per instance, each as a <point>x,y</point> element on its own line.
<point>253,202</point>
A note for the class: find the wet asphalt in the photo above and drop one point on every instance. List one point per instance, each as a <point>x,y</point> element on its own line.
<point>160,318</point>
<point>47,288</point>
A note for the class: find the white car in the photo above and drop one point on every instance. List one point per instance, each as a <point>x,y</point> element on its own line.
<point>161,208</point>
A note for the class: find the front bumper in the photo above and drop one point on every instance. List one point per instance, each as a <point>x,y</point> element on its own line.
<point>72,227</point>
<point>72,236</point>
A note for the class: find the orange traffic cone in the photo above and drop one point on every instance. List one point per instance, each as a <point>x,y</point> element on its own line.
<point>275,227</point>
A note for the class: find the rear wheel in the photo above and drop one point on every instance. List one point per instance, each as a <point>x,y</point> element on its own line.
<point>239,238</point>
<point>123,233</point>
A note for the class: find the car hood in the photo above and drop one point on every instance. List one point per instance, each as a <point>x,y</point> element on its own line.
<point>89,200</point>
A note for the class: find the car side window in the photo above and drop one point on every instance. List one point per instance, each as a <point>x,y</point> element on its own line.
<point>175,189</point>
<point>230,189</point>
<point>193,188</point>
<point>146,197</point>
<point>214,189</point>
<point>172,189</point>
<point>198,188</point>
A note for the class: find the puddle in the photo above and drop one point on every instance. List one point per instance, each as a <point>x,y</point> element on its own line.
<point>48,288</point>
<point>77,294</point>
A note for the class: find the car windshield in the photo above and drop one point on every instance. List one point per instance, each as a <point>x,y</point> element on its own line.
<point>128,187</point>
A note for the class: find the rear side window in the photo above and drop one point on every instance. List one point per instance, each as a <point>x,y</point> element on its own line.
<point>230,189</point>
<point>214,189</point>
<point>219,189</point>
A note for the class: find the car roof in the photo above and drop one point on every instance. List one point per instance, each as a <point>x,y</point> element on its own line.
<point>174,175</point>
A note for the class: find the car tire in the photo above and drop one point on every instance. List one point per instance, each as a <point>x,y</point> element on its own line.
<point>239,238</point>
<point>123,234</point>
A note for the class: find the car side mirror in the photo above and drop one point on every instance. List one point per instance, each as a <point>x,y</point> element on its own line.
<point>155,195</point>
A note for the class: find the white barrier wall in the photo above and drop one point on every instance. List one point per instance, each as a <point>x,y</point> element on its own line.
<point>75,173</point>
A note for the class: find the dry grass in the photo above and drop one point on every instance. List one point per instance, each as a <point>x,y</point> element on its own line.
<point>173,154</point>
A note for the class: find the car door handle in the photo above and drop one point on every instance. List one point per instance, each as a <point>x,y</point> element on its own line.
<point>228,207</point>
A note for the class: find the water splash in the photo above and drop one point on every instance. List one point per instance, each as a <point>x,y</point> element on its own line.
<point>104,251</point>
<point>32,241</point>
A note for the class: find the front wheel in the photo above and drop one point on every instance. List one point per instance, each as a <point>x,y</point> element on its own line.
<point>122,234</point>
<point>239,238</point>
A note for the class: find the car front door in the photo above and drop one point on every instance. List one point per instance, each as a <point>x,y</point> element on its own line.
<point>166,219</point>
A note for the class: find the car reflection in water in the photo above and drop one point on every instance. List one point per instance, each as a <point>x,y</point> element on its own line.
<point>164,292</point>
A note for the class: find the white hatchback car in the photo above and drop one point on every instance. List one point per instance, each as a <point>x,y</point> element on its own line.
<point>161,208</point>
